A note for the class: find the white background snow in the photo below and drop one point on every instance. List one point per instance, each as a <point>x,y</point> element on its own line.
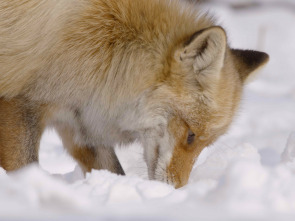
<point>248,174</point>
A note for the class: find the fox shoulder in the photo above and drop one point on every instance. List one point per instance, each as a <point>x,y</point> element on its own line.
<point>26,30</point>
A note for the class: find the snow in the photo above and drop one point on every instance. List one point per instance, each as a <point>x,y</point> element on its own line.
<point>248,174</point>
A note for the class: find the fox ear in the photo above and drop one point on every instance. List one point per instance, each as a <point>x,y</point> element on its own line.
<point>247,61</point>
<point>204,52</point>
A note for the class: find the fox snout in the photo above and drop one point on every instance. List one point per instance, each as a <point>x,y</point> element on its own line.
<point>179,176</point>
<point>170,158</point>
<point>176,170</point>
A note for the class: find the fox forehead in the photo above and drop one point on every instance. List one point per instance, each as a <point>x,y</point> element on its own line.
<point>202,109</point>
<point>204,121</point>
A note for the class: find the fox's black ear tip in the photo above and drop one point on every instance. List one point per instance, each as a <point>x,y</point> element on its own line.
<point>251,57</point>
<point>261,57</point>
<point>266,57</point>
<point>247,61</point>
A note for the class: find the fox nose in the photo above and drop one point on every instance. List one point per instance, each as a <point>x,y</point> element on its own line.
<point>179,184</point>
<point>178,180</point>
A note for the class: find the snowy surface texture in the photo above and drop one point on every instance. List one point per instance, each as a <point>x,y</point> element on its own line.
<point>249,174</point>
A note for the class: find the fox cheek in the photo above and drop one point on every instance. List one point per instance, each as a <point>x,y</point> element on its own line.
<point>157,153</point>
<point>152,159</point>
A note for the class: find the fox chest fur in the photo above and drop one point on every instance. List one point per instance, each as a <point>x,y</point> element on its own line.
<point>103,72</point>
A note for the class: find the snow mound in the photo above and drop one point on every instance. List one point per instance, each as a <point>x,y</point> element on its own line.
<point>230,179</point>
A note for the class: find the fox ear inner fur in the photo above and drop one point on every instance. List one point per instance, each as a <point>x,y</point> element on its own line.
<point>205,50</point>
<point>248,61</point>
<point>204,53</point>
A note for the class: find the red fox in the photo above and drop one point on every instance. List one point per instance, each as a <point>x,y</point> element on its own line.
<point>107,72</point>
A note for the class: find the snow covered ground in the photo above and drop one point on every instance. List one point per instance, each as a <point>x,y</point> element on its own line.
<point>249,174</point>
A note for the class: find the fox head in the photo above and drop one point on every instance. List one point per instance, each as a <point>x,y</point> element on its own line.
<point>195,103</point>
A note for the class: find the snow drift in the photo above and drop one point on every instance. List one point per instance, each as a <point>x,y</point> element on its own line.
<point>248,174</point>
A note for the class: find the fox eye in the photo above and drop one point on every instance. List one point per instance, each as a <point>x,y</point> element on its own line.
<point>190,137</point>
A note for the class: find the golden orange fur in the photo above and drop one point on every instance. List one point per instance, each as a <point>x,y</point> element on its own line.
<point>103,72</point>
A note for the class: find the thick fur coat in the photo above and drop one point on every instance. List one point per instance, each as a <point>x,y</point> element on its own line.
<point>103,72</point>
